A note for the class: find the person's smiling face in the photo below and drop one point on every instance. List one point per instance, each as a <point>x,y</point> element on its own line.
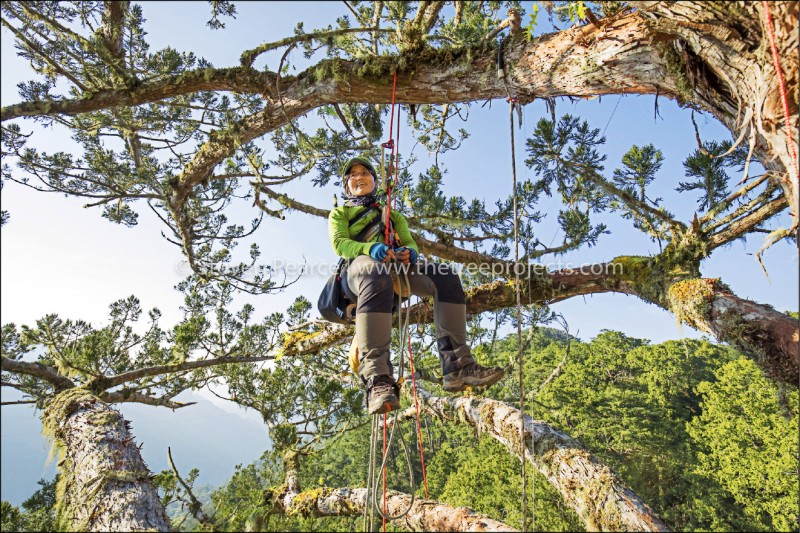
<point>360,180</point>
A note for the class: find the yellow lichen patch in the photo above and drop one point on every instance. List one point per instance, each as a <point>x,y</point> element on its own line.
<point>690,300</point>
<point>305,503</point>
<point>292,340</point>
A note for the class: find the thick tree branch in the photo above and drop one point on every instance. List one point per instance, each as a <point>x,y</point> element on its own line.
<point>425,515</point>
<point>238,79</point>
<point>590,488</point>
<point>769,337</point>
<point>766,335</point>
<point>748,223</point>
<point>113,31</point>
<point>37,370</point>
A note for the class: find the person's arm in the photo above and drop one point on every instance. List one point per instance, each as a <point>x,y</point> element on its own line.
<point>339,233</point>
<point>403,233</point>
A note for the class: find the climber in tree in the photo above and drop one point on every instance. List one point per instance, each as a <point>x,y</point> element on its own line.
<point>367,280</point>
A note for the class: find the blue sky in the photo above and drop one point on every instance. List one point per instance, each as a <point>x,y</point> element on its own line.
<point>58,257</point>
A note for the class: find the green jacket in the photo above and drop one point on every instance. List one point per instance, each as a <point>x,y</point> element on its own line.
<point>342,234</point>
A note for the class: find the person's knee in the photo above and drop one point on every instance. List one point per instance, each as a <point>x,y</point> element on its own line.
<point>376,280</point>
<point>449,288</point>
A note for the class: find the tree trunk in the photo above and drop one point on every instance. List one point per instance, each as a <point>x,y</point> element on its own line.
<point>590,488</point>
<point>104,484</point>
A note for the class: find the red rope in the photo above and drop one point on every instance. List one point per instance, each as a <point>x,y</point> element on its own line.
<point>384,472</point>
<point>397,155</point>
<point>419,427</point>
<point>777,63</point>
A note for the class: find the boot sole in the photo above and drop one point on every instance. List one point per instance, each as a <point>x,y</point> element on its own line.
<point>384,406</point>
<point>459,384</point>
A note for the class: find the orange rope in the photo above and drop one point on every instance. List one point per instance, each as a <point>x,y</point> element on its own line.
<point>777,63</point>
<point>390,145</point>
<point>419,427</point>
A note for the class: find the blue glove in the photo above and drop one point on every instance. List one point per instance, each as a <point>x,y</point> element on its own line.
<point>378,251</point>
<point>413,254</point>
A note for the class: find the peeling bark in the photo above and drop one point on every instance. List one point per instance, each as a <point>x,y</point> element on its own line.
<point>592,489</point>
<point>104,483</point>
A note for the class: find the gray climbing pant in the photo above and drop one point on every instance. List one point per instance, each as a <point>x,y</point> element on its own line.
<point>369,283</point>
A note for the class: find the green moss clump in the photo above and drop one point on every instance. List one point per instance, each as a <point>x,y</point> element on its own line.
<point>636,270</point>
<point>61,406</point>
<point>651,277</point>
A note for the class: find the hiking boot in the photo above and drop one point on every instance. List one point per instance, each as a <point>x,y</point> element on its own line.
<point>473,375</point>
<point>382,393</point>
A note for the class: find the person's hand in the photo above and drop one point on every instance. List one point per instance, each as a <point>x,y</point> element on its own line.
<point>380,252</point>
<point>406,255</point>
